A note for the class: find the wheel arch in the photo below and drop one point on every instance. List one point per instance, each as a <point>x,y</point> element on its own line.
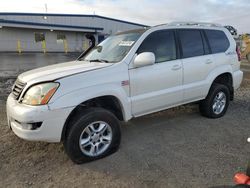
<point>226,79</point>
<point>108,102</point>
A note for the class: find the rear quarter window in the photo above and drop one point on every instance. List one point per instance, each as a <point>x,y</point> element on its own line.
<point>218,41</point>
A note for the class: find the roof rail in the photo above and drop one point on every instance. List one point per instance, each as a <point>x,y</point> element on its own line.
<point>194,24</point>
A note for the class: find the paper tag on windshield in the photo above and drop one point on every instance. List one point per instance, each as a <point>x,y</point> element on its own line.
<point>126,43</point>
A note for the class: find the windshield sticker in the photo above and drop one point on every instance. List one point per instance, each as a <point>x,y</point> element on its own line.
<point>126,43</point>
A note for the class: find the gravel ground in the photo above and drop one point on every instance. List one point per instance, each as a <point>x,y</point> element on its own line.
<point>174,148</point>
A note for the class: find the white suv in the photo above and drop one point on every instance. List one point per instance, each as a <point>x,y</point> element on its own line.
<point>128,75</point>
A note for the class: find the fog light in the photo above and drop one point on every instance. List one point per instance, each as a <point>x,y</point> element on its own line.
<point>26,126</point>
<point>31,126</point>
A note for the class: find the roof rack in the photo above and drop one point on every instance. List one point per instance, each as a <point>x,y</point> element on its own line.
<point>195,24</point>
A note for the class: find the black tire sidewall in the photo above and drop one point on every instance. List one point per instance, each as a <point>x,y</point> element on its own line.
<point>89,116</point>
<point>218,88</point>
<point>206,106</point>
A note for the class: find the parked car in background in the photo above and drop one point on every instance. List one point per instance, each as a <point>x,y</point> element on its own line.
<point>231,29</point>
<point>128,75</point>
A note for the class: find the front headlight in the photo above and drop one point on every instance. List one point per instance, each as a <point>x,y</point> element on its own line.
<point>40,94</point>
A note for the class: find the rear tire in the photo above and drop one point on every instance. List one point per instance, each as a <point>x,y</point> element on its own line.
<point>94,135</point>
<point>216,103</point>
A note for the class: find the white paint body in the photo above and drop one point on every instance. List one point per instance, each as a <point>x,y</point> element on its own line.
<point>151,88</point>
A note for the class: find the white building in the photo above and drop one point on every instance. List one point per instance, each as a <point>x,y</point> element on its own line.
<point>29,32</point>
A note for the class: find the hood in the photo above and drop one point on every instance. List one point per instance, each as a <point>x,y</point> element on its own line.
<point>57,71</point>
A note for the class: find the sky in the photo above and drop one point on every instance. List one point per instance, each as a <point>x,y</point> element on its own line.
<point>148,12</point>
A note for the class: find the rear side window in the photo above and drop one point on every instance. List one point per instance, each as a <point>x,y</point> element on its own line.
<point>205,44</point>
<point>162,44</point>
<point>217,40</point>
<point>191,43</point>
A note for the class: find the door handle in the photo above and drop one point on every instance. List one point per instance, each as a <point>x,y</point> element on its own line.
<point>230,53</point>
<point>209,61</point>
<point>176,67</point>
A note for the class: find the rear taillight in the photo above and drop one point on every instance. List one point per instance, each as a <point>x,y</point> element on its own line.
<point>238,53</point>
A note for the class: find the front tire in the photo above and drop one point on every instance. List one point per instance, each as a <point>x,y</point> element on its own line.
<point>216,103</point>
<point>94,135</point>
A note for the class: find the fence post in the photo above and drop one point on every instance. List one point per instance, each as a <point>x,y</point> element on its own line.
<point>44,46</point>
<point>19,48</point>
<point>85,44</point>
<point>65,44</point>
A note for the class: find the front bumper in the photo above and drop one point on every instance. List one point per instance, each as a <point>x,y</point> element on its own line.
<point>52,120</point>
<point>237,79</point>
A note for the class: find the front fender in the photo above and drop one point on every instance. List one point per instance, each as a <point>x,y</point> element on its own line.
<point>79,96</point>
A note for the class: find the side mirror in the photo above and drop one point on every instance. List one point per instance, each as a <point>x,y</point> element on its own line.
<point>144,59</point>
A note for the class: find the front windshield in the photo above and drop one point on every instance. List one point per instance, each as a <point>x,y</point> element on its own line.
<point>113,49</point>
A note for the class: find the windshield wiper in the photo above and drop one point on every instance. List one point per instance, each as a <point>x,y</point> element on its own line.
<point>99,60</point>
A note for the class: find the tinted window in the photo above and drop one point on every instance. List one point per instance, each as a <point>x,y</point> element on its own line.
<point>217,40</point>
<point>205,44</point>
<point>162,44</point>
<point>191,43</point>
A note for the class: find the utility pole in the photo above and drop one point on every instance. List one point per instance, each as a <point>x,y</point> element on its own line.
<point>46,11</point>
<point>46,8</point>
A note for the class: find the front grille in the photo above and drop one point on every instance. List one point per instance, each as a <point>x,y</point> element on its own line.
<point>17,89</point>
